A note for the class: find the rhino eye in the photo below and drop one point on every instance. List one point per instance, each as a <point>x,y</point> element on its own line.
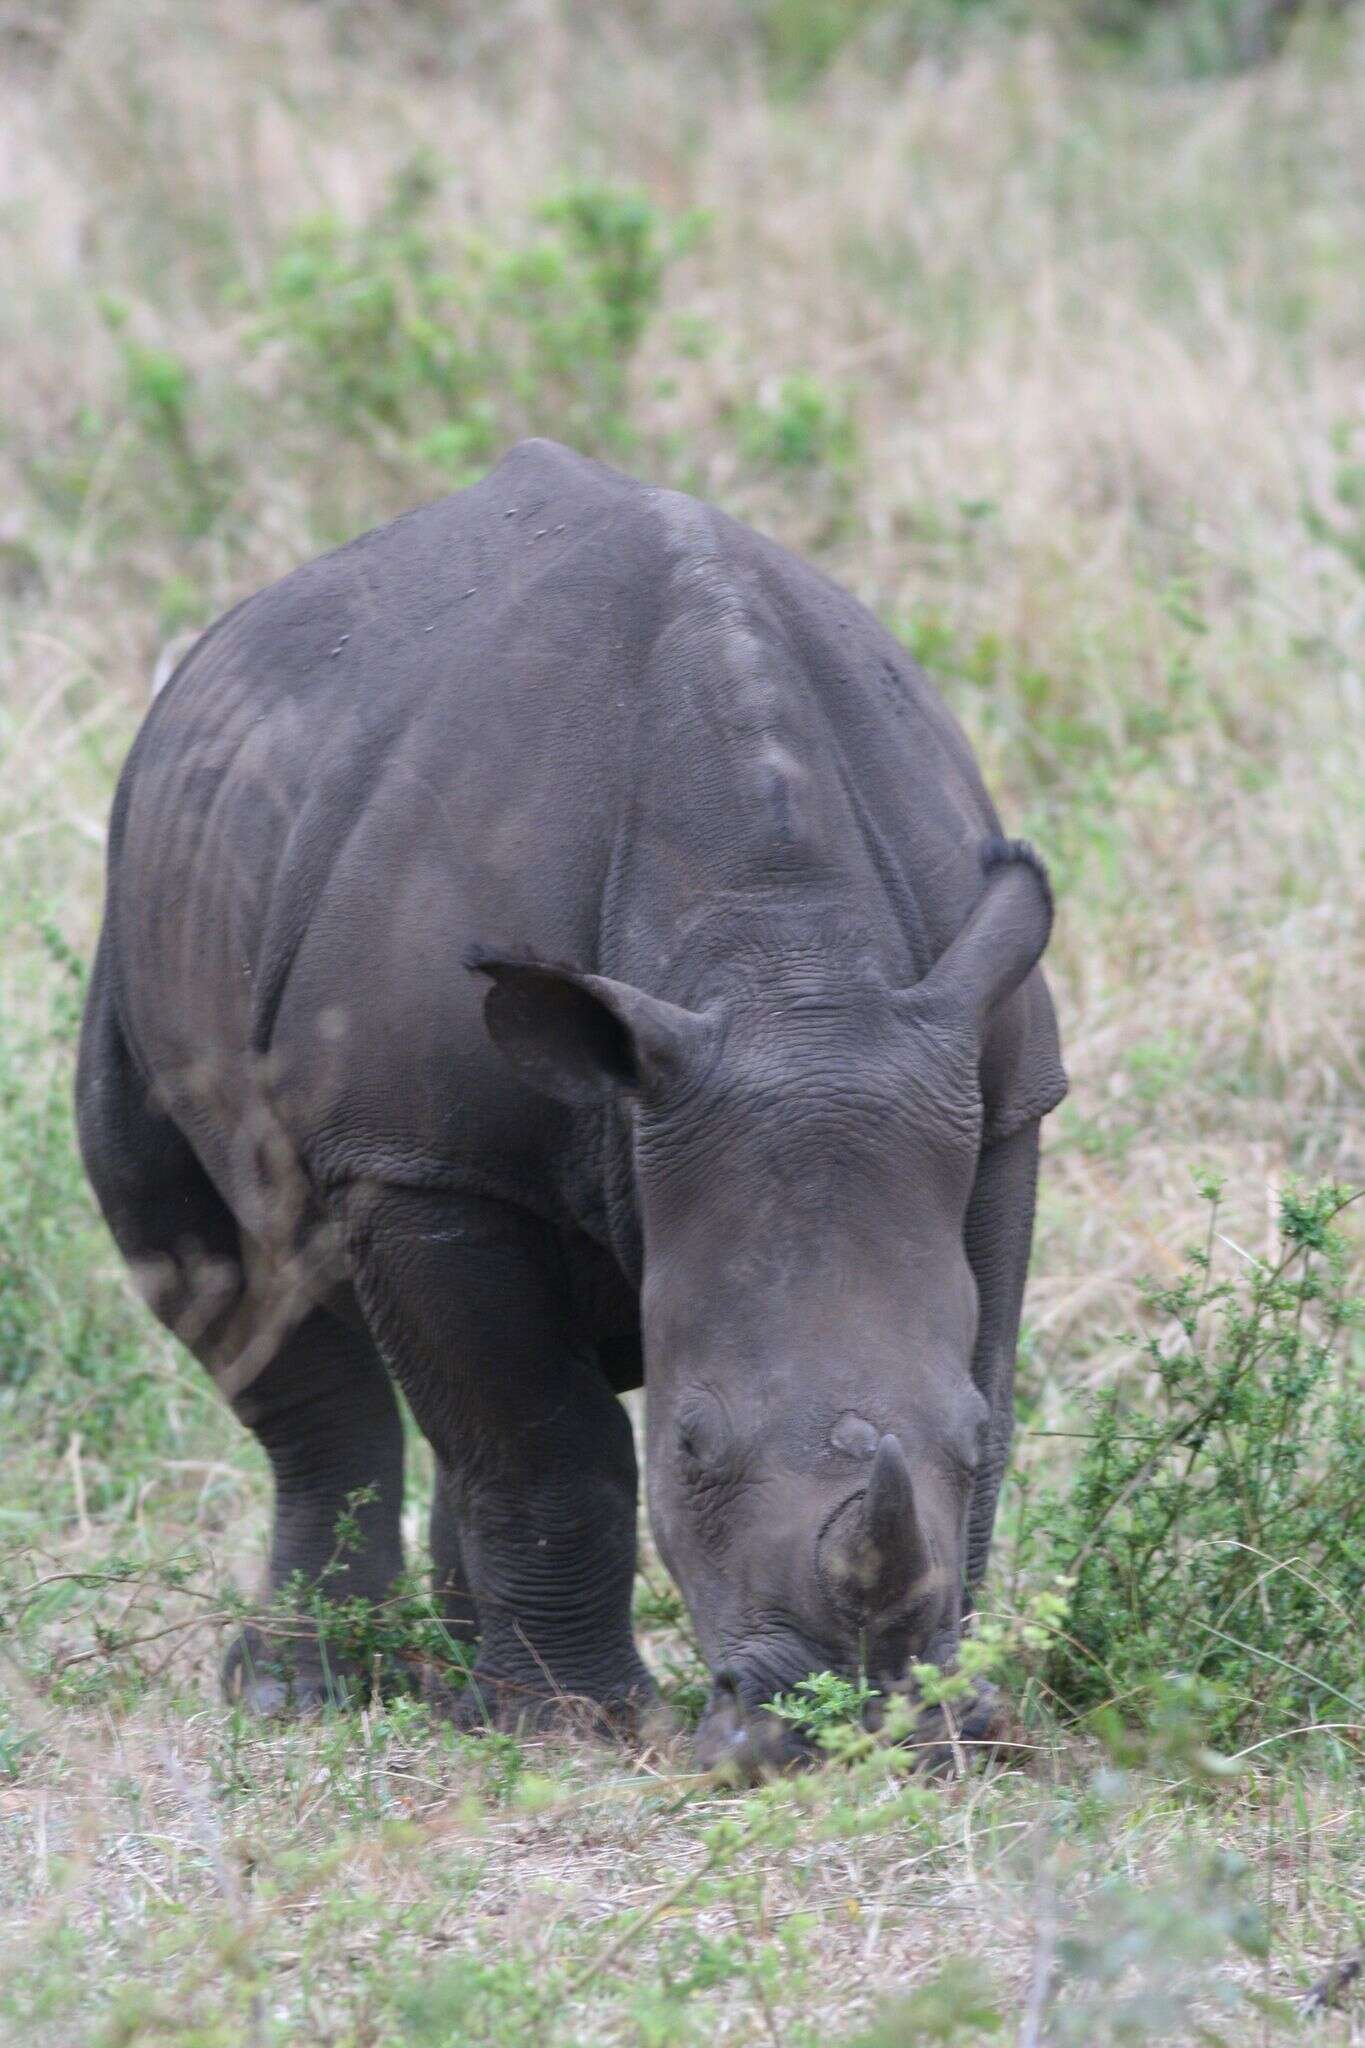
<point>703,1434</point>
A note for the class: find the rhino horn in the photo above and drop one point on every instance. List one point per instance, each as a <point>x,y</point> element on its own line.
<point>890,1525</point>
<point>876,1553</point>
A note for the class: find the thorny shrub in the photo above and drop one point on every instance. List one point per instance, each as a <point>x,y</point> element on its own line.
<point>1214,1524</point>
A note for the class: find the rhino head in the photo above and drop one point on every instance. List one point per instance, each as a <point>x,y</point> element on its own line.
<point>804,1151</point>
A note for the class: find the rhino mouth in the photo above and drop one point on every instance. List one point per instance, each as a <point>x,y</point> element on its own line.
<point>749,1742</point>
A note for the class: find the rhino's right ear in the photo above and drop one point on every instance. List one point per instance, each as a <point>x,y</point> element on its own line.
<point>580,1037</point>
<point>1003,938</point>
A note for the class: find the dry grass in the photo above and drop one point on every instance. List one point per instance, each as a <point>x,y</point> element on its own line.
<point>1101,340</point>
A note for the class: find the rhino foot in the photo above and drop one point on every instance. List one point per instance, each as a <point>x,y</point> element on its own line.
<point>291,1678</point>
<point>486,1701</point>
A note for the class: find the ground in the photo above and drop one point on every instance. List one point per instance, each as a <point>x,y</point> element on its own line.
<point>1052,352</point>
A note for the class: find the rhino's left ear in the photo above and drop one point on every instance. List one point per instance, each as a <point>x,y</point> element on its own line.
<point>1003,938</point>
<point>579,1037</point>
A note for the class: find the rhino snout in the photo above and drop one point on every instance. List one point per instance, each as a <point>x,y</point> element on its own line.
<point>746,1742</point>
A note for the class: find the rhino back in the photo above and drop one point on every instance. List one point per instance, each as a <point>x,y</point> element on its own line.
<point>558,711</point>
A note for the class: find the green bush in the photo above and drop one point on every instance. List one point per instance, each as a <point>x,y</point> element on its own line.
<point>801,38</point>
<point>144,446</point>
<point>386,359</point>
<point>72,1357</point>
<point>158,401</point>
<point>1214,1526</point>
<point>436,347</point>
<point>798,40</point>
<point>1195,37</point>
<point>801,425</point>
<point>362,314</point>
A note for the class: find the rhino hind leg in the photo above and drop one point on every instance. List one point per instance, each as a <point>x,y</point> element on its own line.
<point>536,1509</point>
<point>317,1396</point>
<point>325,1414</point>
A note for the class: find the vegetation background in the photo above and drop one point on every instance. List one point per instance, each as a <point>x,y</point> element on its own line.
<point>1041,328</point>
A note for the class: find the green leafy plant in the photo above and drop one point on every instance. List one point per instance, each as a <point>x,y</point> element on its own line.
<point>435,345</point>
<point>801,38</point>
<point>45,1218</point>
<point>801,425</point>
<point>401,1634</point>
<point>159,403</point>
<point>959,2003</point>
<point>1132,1962</point>
<point>1342,524</point>
<point>145,446</point>
<point>615,237</point>
<point>824,1704</point>
<point>15,1743</point>
<point>362,316</point>
<point>1214,1524</point>
<point>1199,37</point>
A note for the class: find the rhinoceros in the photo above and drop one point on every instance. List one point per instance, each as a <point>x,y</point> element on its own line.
<point>558,943</point>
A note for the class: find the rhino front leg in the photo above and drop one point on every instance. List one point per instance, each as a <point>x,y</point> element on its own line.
<point>999,1236</point>
<point>537,1503</point>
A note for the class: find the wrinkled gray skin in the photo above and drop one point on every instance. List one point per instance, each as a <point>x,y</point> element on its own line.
<point>768,1142</point>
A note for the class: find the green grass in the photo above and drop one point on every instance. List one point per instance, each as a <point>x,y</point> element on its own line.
<point>1057,362</point>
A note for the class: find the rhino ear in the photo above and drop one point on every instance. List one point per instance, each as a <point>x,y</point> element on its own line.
<point>1003,938</point>
<point>580,1037</point>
